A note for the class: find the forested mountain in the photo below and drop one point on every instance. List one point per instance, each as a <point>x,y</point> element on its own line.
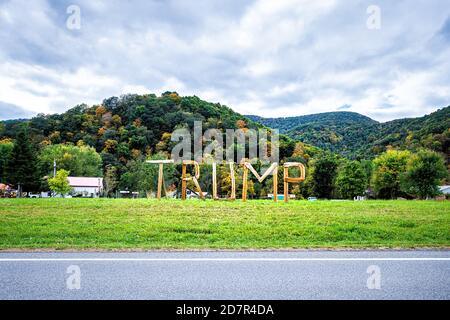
<point>133,125</point>
<point>113,139</point>
<point>286,124</point>
<point>356,136</point>
<point>339,132</point>
<point>123,131</point>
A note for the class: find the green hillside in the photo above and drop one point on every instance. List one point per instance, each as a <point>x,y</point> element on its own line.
<point>356,136</point>
<point>337,119</point>
<point>128,129</point>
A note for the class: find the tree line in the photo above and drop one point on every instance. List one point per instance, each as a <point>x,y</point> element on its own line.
<point>391,175</point>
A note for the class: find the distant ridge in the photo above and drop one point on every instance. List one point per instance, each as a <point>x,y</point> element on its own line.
<point>357,136</point>
<point>285,124</point>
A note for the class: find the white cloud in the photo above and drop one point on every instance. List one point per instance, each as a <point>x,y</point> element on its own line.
<point>42,89</point>
<point>271,58</point>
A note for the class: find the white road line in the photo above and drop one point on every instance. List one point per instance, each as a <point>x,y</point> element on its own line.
<point>213,259</point>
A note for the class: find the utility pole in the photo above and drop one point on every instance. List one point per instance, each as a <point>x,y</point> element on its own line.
<point>54,173</point>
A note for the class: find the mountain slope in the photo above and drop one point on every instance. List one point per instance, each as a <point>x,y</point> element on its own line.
<point>286,124</point>
<point>340,132</point>
<point>357,136</point>
<point>132,126</point>
<point>431,131</point>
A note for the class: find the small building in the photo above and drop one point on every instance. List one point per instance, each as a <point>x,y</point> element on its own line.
<point>86,186</point>
<point>445,189</point>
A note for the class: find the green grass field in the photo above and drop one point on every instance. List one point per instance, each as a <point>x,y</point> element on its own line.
<point>114,224</point>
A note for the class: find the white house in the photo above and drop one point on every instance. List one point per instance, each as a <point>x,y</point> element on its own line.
<point>86,186</point>
<point>445,189</point>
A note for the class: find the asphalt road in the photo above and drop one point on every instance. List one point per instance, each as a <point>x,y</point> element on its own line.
<point>226,275</point>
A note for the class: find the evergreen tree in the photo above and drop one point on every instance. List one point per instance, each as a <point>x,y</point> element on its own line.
<point>22,165</point>
<point>323,176</point>
<point>6,147</point>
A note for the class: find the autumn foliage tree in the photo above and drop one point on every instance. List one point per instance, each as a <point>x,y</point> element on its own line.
<point>387,173</point>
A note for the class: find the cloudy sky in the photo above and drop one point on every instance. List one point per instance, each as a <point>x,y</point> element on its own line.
<point>264,57</point>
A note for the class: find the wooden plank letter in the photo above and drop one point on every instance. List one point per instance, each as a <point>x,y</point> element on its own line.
<point>194,178</point>
<point>288,179</point>
<point>160,174</point>
<point>214,180</point>
<point>273,169</point>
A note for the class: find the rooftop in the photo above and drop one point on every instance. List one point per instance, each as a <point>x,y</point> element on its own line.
<point>85,181</point>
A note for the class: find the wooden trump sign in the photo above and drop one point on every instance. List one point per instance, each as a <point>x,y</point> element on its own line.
<point>246,165</point>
